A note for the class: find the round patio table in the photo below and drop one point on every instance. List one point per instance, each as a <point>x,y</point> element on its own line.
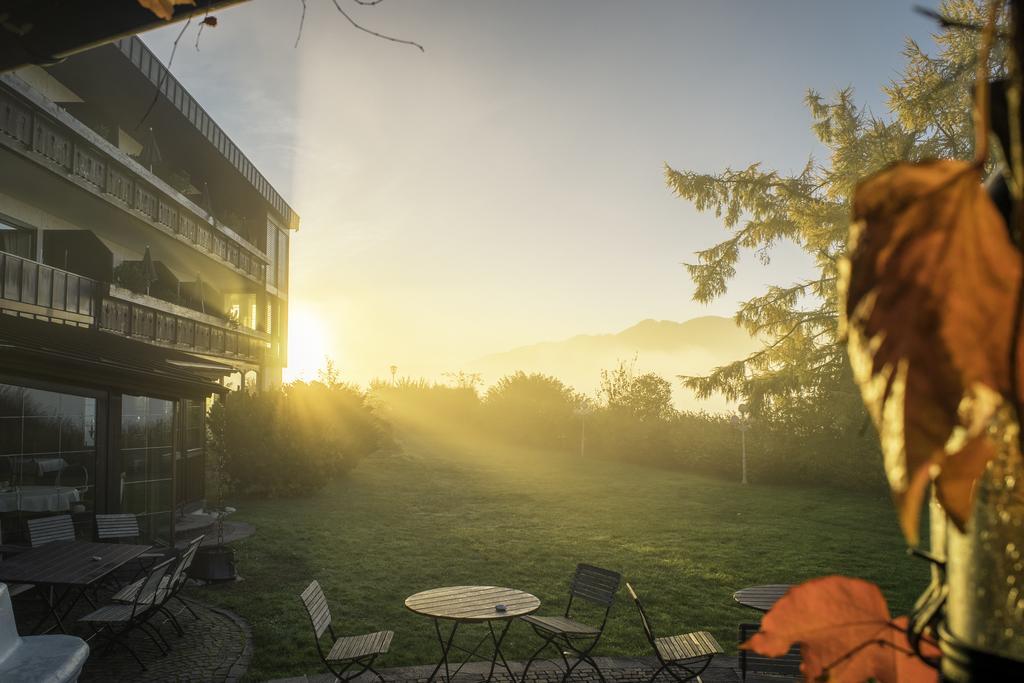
<point>761,598</point>
<point>472,605</point>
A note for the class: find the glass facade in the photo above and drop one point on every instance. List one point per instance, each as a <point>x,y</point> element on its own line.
<point>47,456</point>
<point>147,461</point>
<point>191,463</point>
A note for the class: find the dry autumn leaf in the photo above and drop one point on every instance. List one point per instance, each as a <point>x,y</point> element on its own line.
<point>164,9</point>
<point>930,288</point>
<point>845,634</point>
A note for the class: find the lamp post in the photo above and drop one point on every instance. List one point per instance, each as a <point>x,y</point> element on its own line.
<point>742,422</point>
<point>394,370</point>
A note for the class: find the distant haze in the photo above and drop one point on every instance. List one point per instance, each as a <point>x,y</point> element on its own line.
<point>664,347</point>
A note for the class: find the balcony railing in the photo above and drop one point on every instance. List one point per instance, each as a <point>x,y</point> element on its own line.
<point>62,143</point>
<point>41,290</point>
<point>33,288</point>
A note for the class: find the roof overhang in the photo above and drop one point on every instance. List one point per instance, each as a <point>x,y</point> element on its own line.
<point>73,355</point>
<point>45,31</point>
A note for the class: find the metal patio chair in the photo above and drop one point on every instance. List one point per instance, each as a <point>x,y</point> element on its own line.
<point>787,665</point>
<point>124,527</point>
<point>115,621</point>
<point>346,651</point>
<point>684,657</point>
<point>43,530</point>
<point>172,583</point>
<point>571,637</point>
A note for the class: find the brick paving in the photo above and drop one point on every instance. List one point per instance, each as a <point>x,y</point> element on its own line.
<point>616,670</point>
<point>216,648</point>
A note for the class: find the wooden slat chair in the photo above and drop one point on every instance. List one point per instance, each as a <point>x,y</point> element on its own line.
<point>115,621</point>
<point>572,637</point>
<point>173,583</point>
<point>788,665</point>
<point>43,530</point>
<point>347,651</point>
<point>684,657</point>
<point>123,527</point>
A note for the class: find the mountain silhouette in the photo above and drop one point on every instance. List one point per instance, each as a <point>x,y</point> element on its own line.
<point>665,347</point>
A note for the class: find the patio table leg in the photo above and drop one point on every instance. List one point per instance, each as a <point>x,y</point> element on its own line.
<point>497,649</point>
<point>445,648</point>
<point>46,594</point>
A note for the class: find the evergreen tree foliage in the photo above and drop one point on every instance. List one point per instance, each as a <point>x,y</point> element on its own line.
<point>803,366</point>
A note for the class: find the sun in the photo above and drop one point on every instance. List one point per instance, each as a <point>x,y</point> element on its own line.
<point>307,344</point>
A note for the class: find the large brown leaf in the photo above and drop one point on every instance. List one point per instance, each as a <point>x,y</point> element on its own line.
<point>164,8</point>
<point>845,634</point>
<point>931,285</point>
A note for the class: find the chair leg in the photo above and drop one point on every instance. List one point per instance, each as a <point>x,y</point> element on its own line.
<point>171,618</point>
<point>660,669</point>
<point>188,607</point>
<point>533,657</point>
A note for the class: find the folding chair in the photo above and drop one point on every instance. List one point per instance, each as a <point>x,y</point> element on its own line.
<point>346,651</point>
<point>685,656</point>
<point>787,665</point>
<point>114,622</point>
<point>173,583</point>
<point>574,638</point>
<point>43,530</point>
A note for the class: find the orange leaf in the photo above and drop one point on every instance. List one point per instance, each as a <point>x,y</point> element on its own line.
<point>164,9</point>
<point>931,284</point>
<point>955,484</point>
<point>844,631</point>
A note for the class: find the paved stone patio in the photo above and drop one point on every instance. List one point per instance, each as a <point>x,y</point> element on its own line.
<point>615,669</point>
<point>218,647</point>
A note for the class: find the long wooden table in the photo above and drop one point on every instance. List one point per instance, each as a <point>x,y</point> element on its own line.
<point>63,570</point>
<point>472,604</point>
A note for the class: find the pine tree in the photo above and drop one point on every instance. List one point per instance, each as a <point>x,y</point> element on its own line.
<point>803,367</point>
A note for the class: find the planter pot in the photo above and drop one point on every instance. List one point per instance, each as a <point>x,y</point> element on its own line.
<point>213,563</point>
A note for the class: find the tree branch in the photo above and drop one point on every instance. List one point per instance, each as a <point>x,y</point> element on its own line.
<point>371,32</point>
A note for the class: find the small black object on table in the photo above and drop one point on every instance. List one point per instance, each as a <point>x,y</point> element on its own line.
<point>472,605</point>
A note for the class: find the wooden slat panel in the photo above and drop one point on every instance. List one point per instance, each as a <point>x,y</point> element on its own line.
<point>472,603</point>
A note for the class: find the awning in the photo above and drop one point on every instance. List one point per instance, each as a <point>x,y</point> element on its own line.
<point>101,360</point>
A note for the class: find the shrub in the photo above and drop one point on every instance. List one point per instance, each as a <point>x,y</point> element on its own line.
<point>532,410</point>
<point>292,440</point>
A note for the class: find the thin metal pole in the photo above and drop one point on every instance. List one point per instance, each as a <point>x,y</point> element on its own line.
<point>583,434</point>
<point>743,446</point>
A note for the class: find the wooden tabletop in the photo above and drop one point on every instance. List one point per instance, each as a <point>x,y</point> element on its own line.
<point>761,597</point>
<point>68,563</point>
<point>472,603</point>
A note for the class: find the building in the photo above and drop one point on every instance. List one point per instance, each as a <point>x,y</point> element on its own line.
<point>143,269</point>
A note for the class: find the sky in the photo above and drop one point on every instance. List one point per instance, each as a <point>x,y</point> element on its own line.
<point>506,185</point>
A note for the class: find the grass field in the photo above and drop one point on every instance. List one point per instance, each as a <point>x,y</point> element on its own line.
<point>434,516</point>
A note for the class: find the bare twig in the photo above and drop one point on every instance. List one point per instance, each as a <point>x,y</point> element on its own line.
<point>202,25</point>
<point>302,22</point>
<point>368,3</point>
<point>374,33</point>
<point>163,76</point>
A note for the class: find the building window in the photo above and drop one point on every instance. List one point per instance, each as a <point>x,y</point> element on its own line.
<point>17,239</point>
<point>147,460</point>
<point>272,254</point>
<point>47,455</point>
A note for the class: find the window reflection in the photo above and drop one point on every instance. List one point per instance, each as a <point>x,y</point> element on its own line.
<point>47,455</point>
<point>147,459</point>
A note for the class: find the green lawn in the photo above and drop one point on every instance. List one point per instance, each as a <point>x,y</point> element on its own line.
<point>434,516</point>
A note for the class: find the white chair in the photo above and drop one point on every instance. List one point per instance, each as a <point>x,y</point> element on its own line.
<point>41,659</point>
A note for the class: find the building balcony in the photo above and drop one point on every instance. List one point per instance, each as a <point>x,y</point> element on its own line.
<point>49,137</point>
<point>33,289</point>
